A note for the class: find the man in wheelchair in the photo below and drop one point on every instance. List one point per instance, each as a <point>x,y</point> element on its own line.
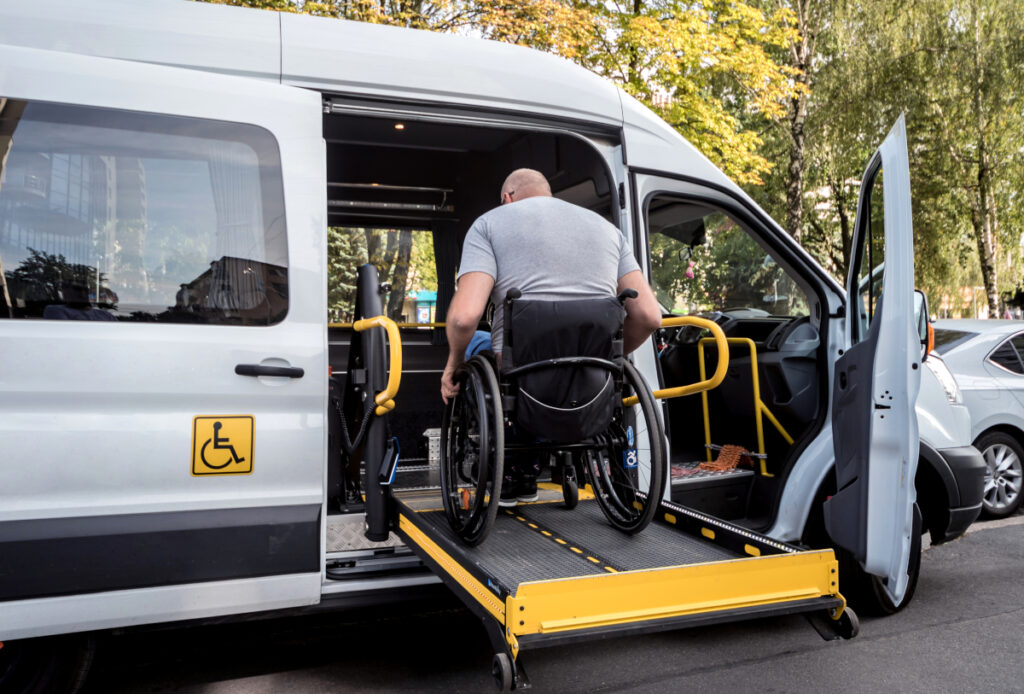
<point>567,265</point>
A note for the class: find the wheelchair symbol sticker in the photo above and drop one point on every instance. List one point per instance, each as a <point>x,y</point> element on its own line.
<point>222,444</point>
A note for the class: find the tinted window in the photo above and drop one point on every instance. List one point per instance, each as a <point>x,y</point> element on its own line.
<point>946,340</point>
<point>1018,342</point>
<point>1006,356</point>
<point>702,260</point>
<point>116,215</point>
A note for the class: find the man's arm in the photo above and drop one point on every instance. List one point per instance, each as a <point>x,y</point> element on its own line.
<point>468,305</point>
<point>643,315</point>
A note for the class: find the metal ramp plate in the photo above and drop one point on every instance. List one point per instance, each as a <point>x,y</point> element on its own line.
<point>548,575</point>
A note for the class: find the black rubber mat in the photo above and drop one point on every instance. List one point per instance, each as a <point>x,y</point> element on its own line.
<point>657,545</point>
<point>513,552</point>
<point>516,553</point>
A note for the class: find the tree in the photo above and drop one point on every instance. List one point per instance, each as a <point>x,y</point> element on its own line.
<point>346,251</point>
<point>705,68</point>
<point>975,109</point>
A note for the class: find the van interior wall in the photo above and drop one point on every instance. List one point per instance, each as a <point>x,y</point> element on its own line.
<point>438,177</point>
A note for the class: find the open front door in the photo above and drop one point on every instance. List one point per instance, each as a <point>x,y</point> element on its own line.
<point>877,379</point>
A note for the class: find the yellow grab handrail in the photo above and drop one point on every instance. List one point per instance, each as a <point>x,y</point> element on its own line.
<point>385,399</point>
<point>703,385</point>
<point>348,326</point>
<point>760,409</point>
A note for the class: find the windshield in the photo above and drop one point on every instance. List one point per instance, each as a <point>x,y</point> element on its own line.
<point>702,259</point>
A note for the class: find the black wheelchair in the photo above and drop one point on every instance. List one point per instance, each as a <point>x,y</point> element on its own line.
<point>564,390</point>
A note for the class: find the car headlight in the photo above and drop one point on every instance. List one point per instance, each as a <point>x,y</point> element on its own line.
<point>945,378</point>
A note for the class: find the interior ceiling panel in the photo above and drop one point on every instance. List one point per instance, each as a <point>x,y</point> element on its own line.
<point>381,132</point>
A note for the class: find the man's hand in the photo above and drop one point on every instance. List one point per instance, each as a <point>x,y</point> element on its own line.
<point>464,313</point>
<point>643,314</point>
<point>449,388</point>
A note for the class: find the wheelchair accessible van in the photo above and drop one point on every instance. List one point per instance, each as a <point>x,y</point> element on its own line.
<point>573,565</point>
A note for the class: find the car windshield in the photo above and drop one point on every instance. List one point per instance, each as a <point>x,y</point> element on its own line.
<point>946,340</point>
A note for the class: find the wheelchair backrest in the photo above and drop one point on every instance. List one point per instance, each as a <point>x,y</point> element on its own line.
<point>558,396</point>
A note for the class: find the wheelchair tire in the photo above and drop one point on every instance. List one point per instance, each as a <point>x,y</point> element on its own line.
<point>473,452</point>
<point>628,494</point>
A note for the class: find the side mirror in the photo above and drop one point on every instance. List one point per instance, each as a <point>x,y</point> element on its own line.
<point>925,331</point>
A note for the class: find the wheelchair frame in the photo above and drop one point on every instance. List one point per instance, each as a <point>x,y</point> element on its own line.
<point>628,503</point>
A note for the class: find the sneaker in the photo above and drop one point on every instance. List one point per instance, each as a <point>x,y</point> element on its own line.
<point>508,496</point>
<point>526,490</point>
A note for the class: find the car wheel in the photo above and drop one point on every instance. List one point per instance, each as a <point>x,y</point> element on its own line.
<point>866,592</point>
<point>49,665</point>
<point>1004,471</point>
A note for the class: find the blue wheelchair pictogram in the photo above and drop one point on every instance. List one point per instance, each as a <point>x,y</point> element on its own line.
<point>630,459</point>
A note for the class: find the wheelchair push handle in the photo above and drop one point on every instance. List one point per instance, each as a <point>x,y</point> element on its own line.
<point>385,399</point>
<point>627,294</point>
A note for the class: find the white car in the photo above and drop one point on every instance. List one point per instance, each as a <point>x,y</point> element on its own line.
<point>987,357</point>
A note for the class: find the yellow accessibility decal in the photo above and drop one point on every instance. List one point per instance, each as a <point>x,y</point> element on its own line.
<point>222,444</point>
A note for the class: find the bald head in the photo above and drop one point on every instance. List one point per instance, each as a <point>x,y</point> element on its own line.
<point>524,183</point>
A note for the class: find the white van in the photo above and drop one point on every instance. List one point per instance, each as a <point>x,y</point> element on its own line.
<point>168,174</point>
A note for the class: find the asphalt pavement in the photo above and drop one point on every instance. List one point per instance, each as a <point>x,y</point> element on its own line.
<point>963,632</point>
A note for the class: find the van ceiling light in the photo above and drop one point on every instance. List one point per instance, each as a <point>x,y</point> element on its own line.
<point>399,126</point>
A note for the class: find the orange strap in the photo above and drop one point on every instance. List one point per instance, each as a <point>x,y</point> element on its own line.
<point>729,457</point>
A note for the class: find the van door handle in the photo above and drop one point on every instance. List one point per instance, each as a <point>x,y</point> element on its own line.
<point>261,370</point>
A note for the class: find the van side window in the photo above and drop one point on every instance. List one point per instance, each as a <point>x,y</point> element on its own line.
<point>405,263</point>
<point>871,271</point>
<point>118,215</point>
<point>704,260</point>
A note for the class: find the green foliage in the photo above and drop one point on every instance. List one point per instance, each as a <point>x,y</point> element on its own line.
<point>727,271</point>
<point>956,68</point>
<point>404,259</point>
<point>346,251</point>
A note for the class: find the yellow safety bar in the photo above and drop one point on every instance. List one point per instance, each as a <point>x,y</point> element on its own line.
<point>704,384</point>
<point>400,325</point>
<point>759,407</point>
<point>385,399</point>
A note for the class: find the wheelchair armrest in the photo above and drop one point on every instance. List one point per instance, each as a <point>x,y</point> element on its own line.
<point>627,294</point>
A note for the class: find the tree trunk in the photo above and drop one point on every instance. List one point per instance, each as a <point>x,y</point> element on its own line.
<point>373,249</point>
<point>801,53</point>
<point>845,231</point>
<point>795,184</point>
<point>400,276</point>
<point>983,209</point>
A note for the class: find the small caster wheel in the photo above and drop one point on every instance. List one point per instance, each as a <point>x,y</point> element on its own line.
<point>501,671</point>
<point>570,492</point>
<point>848,625</point>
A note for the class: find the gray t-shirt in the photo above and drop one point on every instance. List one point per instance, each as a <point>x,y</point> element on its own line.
<point>548,249</point>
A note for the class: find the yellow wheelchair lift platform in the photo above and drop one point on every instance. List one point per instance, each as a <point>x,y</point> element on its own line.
<point>549,576</point>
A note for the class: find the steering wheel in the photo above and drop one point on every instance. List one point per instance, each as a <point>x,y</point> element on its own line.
<point>781,334</point>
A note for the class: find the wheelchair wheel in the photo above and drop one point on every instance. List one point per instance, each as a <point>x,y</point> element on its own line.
<point>472,452</point>
<point>628,472</point>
